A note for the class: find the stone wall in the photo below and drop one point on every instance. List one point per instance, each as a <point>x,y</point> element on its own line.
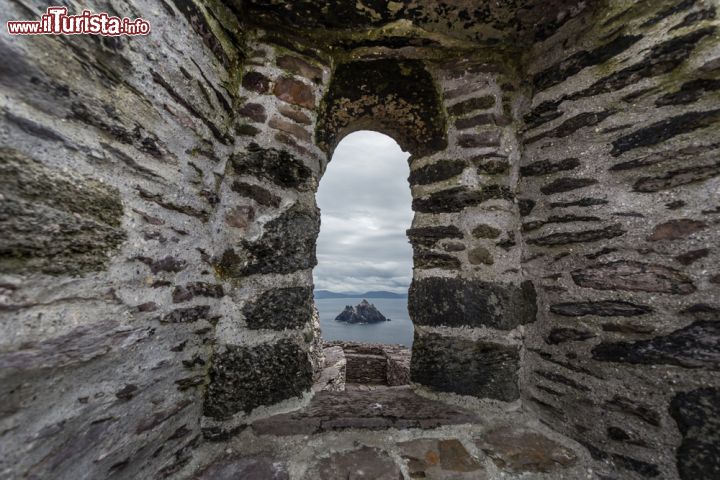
<point>159,223</point>
<point>619,178</point>
<point>468,299</point>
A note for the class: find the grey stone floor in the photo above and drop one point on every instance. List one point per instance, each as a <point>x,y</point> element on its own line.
<point>393,433</point>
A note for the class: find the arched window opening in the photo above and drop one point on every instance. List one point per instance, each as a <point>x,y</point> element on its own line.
<point>363,252</point>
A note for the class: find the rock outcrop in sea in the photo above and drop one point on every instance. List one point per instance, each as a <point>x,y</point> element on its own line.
<point>364,312</point>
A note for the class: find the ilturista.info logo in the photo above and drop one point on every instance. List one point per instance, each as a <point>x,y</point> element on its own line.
<point>57,22</point>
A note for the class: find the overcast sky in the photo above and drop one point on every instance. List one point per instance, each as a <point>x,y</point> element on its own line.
<point>365,201</point>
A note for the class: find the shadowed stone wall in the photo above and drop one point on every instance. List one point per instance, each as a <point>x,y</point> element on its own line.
<point>112,150</point>
<point>159,222</point>
<point>620,177</point>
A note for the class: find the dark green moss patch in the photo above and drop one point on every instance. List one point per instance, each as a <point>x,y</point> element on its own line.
<point>54,222</point>
<point>397,97</point>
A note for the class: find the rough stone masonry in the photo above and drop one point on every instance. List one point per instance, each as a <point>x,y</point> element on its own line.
<point>158,219</point>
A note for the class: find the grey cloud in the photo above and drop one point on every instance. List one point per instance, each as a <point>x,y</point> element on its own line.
<point>365,202</point>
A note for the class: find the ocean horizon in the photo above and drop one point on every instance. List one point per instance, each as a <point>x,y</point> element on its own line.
<point>399,330</point>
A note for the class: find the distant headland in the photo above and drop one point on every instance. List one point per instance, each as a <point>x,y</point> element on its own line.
<point>323,294</point>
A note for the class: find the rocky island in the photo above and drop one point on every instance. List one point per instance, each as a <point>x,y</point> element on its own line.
<point>364,312</point>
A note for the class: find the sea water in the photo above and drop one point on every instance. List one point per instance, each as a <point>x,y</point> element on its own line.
<point>397,331</point>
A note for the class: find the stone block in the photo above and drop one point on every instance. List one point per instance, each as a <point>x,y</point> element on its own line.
<point>294,92</point>
<point>457,302</point>
<point>521,449</point>
<point>362,464</point>
<point>243,378</point>
<point>634,276</point>
<point>697,414</point>
<point>280,309</point>
<point>445,459</point>
<point>466,367</point>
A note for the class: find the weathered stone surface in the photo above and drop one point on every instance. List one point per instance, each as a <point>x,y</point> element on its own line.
<point>280,309</point>
<point>664,130</point>
<point>408,108</point>
<point>295,114</point>
<point>602,308</point>
<point>526,206</point>
<point>429,236</point>
<point>287,245</point>
<point>398,365</point>
<point>672,154</point>
<point>694,346</point>
<point>276,166</point>
<point>480,120</point>
<point>380,409</point>
<point>583,202</point>
<point>290,128</point>
<point>363,463</point>
<point>568,67</point>
<point>254,467</point>
<point>489,138</point>
<point>534,225</point>
<point>480,256</point>
<point>197,289</point>
<point>562,335</point>
<point>635,408</point>
<point>676,229</point>
<point>436,172</point>
<point>457,302</point>
<point>546,167</point>
<point>333,374</point>
<point>243,378</point>
<point>173,206</point>
<point>166,264</point>
<point>80,345</point>
<point>253,111</point>
<point>567,184</point>
<point>633,276</point>
<point>246,130</point>
<point>676,178</point>
<point>618,461</point>
<point>300,67</point>
<point>458,198</point>
<point>423,258</point>
<point>240,216</point>
<point>688,258</point>
<point>256,82</point>
<point>257,193</point>
<point>562,379</point>
<point>365,368</point>
<point>465,367</point>
<point>571,125</point>
<point>55,222</point>
<point>187,314</point>
<point>689,92</point>
<point>521,449</point>
<point>584,236</point>
<point>294,92</point>
<point>485,231</point>
<point>471,105</point>
<point>493,165</point>
<point>440,459</point>
<point>662,58</point>
<point>697,414</point>
<point>702,311</point>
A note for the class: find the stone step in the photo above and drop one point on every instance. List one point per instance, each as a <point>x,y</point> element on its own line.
<point>366,368</point>
<point>392,407</point>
